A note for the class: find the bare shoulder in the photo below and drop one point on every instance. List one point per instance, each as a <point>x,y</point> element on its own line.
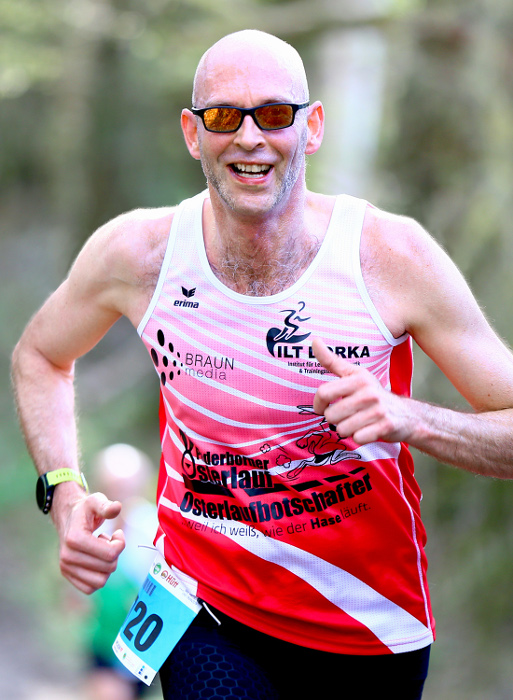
<point>122,259</point>
<point>132,245</point>
<point>417,288</point>
<point>406,271</point>
<point>113,275</point>
<point>391,241</point>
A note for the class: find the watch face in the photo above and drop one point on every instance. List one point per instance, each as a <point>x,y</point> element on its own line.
<point>41,492</point>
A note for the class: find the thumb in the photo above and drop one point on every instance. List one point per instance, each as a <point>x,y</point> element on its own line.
<point>99,508</point>
<point>333,363</point>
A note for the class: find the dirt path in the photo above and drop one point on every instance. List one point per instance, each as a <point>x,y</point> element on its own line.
<point>28,672</point>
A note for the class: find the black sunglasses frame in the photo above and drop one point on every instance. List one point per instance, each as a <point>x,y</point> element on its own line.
<point>252,112</point>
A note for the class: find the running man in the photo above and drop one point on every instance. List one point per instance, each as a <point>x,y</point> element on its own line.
<point>320,580</point>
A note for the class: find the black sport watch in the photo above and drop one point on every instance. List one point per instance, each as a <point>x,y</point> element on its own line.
<point>47,482</point>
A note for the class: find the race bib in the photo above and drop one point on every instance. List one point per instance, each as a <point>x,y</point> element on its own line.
<point>163,610</point>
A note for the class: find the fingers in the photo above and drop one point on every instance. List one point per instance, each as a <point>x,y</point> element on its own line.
<point>333,363</point>
<point>357,404</point>
<point>322,353</point>
<point>344,386</point>
<point>87,560</point>
<point>87,573</point>
<point>364,426</point>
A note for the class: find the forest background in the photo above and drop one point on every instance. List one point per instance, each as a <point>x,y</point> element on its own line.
<point>419,101</point>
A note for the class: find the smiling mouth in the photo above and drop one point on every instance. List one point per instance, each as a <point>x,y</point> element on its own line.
<point>250,170</point>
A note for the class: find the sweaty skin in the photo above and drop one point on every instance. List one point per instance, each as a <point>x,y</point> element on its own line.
<point>247,221</point>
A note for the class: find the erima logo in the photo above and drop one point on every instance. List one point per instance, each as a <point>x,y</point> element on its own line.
<point>187,293</point>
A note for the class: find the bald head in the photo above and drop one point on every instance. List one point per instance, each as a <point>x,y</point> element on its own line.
<point>250,48</point>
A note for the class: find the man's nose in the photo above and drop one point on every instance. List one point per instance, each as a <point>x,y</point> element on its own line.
<point>249,135</point>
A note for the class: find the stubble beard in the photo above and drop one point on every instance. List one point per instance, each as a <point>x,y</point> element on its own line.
<point>285,186</point>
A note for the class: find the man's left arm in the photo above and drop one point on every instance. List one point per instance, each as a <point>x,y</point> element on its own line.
<point>441,314</point>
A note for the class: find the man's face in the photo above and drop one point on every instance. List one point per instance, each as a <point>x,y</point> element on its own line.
<point>252,171</point>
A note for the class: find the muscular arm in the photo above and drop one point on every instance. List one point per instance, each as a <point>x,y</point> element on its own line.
<point>418,289</point>
<point>113,275</point>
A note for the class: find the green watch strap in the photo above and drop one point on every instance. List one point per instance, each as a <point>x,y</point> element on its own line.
<point>60,475</point>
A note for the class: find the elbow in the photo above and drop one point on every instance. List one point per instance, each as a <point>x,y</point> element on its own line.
<point>28,361</point>
<point>16,361</point>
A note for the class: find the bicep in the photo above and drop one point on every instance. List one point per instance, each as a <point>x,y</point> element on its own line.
<point>74,318</point>
<point>451,329</point>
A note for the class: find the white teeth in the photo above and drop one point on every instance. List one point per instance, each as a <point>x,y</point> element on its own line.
<point>244,168</point>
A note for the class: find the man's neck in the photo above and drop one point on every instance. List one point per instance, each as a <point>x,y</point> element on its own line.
<point>262,255</point>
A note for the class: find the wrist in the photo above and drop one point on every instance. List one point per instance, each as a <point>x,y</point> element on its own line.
<point>66,496</point>
<point>431,427</point>
<point>47,483</point>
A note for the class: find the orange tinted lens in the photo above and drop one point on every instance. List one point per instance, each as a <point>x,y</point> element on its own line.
<point>274,116</point>
<point>222,118</point>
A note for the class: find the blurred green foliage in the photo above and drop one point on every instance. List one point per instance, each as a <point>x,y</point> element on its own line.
<point>90,97</point>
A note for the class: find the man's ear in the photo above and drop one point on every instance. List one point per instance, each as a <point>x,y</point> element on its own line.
<point>315,127</point>
<point>190,133</point>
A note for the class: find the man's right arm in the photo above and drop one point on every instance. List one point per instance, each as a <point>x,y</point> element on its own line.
<point>103,284</point>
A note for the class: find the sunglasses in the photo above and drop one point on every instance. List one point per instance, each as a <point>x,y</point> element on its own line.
<point>224,120</point>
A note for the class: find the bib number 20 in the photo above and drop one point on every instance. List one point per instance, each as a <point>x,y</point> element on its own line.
<point>150,626</point>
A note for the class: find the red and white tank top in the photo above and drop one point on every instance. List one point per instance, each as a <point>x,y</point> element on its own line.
<point>286,526</point>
